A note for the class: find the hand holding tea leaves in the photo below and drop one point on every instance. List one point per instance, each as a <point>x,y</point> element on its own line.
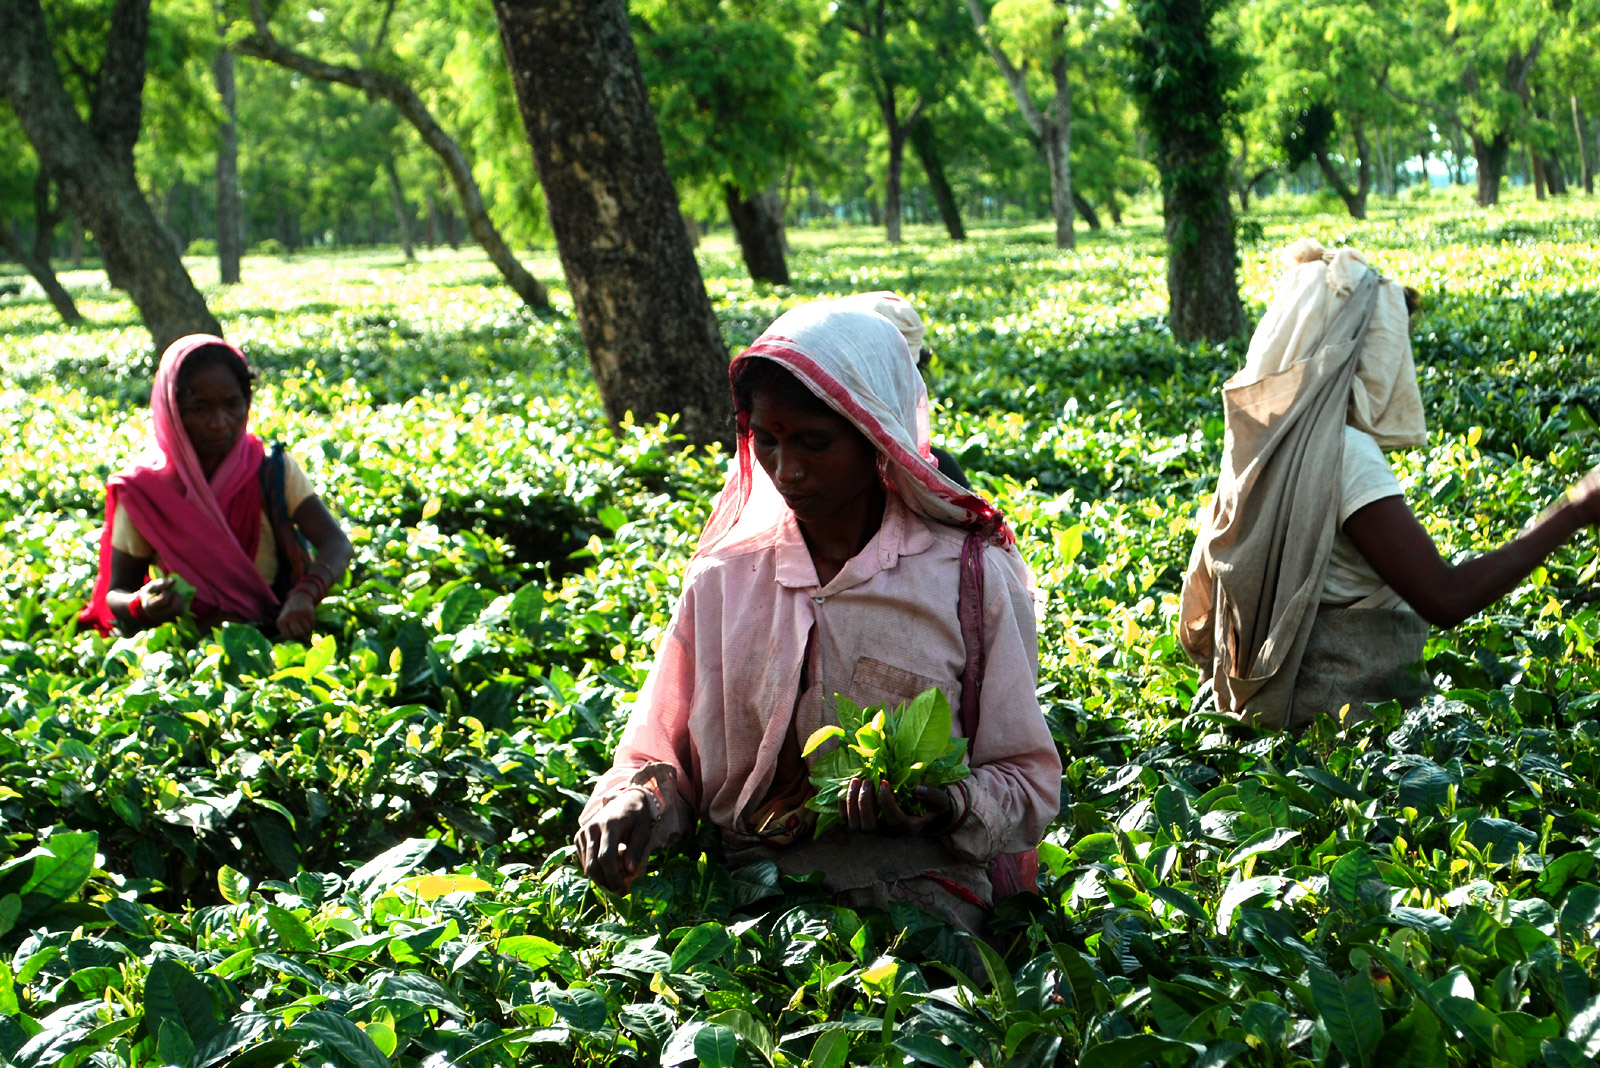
<point>167,597</point>
<point>889,773</point>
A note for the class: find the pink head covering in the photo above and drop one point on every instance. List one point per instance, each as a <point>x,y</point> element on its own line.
<point>173,450</point>
<point>204,529</point>
<point>857,361</point>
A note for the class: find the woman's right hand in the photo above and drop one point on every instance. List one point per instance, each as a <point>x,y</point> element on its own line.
<point>613,847</point>
<point>161,600</point>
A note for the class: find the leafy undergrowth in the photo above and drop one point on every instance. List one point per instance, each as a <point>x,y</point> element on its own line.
<point>353,852</point>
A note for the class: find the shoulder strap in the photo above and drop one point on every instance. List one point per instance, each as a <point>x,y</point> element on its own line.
<point>292,558</point>
<point>969,610</point>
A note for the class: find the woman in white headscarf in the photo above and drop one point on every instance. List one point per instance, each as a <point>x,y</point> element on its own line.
<point>1312,584</point>
<point>833,564</point>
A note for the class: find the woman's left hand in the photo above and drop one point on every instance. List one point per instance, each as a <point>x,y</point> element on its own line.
<point>298,616</point>
<point>878,812</point>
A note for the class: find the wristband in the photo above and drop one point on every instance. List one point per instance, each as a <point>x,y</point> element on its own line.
<point>136,609</point>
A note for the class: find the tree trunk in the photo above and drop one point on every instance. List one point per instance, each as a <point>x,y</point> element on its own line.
<point>92,163</point>
<point>1245,187</point>
<point>759,227</point>
<point>1536,173</point>
<point>431,226</point>
<point>452,227</point>
<point>1052,132</point>
<point>1355,200</point>
<point>1491,156</point>
<point>263,45</point>
<point>653,340</point>
<point>1458,155</point>
<point>1182,85</point>
<point>891,175</point>
<point>1114,208</point>
<point>1386,142</point>
<point>402,210</point>
<point>42,273</point>
<point>1585,172</point>
<point>1085,209</point>
<point>46,214</point>
<point>927,150</point>
<point>230,215</point>
<point>1555,179</point>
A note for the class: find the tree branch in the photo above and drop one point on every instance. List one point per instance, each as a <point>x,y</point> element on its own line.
<point>116,111</point>
<point>378,84</point>
<point>383,26</point>
<point>1015,78</point>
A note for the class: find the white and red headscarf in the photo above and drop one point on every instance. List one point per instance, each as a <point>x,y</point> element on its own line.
<point>857,361</point>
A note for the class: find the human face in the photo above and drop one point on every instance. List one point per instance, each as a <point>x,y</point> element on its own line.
<point>826,469</point>
<point>214,411</point>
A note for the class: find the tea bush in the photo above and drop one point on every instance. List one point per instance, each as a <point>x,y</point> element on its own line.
<point>222,851</point>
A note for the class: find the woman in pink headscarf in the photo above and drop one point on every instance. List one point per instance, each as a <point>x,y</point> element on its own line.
<point>209,503</point>
<point>833,564</point>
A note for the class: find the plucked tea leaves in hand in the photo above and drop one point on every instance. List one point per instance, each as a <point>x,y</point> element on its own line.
<point>907,747</point>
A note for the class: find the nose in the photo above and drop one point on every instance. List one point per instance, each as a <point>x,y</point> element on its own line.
<point>789,468</point>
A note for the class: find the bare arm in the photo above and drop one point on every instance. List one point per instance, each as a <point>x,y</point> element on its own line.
<point>298,615</point>
<point>159,601</point>
<point>1391,539</point>
<point>327,537</point>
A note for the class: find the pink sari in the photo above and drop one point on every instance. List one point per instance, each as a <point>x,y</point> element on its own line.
<point>205,530</point>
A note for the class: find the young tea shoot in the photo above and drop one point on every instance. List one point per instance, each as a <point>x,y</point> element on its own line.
<point>907,747</point>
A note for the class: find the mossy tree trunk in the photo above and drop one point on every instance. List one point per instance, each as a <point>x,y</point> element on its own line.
<point>1182,78</point>
<point>653,340</point>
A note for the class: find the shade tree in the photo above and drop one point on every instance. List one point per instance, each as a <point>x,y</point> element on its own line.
<point>1028,41</point>
<point>733,103</point>
<point>1323,69</point>
<point>907,56</point>
<point>27,202</point>
<point>368,62</point>
<point>1182,76</point>
<point>85,137</point>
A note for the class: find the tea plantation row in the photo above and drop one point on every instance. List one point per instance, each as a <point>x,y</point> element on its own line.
<point>214,850</point>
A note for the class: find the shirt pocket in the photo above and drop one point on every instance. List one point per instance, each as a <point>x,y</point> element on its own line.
<point>877,683</point>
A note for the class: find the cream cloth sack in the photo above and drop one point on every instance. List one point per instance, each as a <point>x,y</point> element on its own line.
<point>1255,577</point>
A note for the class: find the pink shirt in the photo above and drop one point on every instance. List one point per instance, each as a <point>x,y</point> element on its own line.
<point>717,706</point>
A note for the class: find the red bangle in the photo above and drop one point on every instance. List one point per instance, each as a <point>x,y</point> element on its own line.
<point>313,586</point>
<point>136,609</point>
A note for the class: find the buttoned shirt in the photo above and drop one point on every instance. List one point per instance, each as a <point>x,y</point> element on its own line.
<point>706,731</point>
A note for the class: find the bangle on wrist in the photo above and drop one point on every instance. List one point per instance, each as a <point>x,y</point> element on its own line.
<point>314,586</point>
<point>136,610</point>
